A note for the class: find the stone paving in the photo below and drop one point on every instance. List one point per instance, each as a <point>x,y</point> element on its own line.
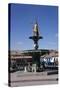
<point>26,79</point>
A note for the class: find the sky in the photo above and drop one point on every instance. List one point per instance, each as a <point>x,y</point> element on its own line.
<point>23,17</point>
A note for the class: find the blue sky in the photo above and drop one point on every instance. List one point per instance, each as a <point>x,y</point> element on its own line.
<point>22,21</point>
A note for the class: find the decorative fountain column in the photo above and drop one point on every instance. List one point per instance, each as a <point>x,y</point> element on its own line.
<point>36,53</point>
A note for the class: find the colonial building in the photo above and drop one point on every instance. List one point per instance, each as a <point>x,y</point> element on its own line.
<point>23,60</point>
<point>50,59</point>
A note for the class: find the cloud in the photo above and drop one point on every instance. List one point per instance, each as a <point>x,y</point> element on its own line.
<point>56,34</point>
<point>19,43</point>
<point>52,43</point>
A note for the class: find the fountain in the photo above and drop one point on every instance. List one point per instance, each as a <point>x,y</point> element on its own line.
<point>36,53</point>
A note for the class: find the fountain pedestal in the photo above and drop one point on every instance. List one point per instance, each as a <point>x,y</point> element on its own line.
<point>36,60</point>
